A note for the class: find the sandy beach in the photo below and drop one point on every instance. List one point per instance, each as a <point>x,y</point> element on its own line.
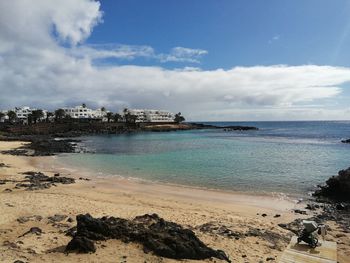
<point>124,198</point>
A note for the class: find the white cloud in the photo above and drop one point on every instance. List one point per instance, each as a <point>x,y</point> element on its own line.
<point>36,70</point>
<point>182,54</point>
<point>112,51</point>
<point>129,52</point>
<point>274,38</point>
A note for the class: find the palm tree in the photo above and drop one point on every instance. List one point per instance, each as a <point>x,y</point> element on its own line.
<point>37,115</point>
<point>12,115</point>
<point>132,118</point>
<point>109,116</point>
<point>126,115</point>
<point>2,115</point>
<point>60,114</point>
<point>30,118</point>
<point>117,117</point>
<point>179,118</point>
<point>125,112</point>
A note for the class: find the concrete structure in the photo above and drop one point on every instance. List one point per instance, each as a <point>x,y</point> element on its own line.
<point>302,253</point>
<point>144,115</point>
<point>80,112</point>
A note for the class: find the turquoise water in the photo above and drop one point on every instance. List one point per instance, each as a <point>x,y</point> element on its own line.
<point>289,157</point>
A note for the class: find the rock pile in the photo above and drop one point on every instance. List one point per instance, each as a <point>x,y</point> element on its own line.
<point>38,181</point>
<point>164,238</point>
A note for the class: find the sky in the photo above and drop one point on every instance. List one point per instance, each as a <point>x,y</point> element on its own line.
<point>227,60</point>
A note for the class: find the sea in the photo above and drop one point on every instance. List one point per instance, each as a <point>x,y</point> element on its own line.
<point>290,157</point>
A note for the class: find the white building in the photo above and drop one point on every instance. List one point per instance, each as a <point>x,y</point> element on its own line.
<point>22,114</point>
<point>144,115</point>
<point>80,112</point>
<point>5,118</point>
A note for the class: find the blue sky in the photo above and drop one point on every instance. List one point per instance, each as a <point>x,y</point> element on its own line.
<point>211,60</point>
<point>235,33</point>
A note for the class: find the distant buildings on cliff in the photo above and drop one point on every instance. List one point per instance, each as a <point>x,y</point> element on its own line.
<point>152,115</point>
<point>83,112</point>
<point>26,114</point>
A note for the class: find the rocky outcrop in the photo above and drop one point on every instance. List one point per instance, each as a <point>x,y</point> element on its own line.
<point>337,188</point>
<point>75,128</point>
<point>346,141</point>
<point>240,128</point>
<point>164,238</point>
<point>39,181</point>
<point>225,128</point>
<point>41,145</point>
<point>49,146</point>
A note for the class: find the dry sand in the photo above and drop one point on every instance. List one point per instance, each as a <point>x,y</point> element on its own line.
<point>129,198</point>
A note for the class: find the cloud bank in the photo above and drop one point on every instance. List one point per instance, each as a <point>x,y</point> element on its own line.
<point>44,62</point>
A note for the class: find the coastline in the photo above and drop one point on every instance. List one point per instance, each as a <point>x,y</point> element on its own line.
<point>56,164</point>
<point>129,198</point>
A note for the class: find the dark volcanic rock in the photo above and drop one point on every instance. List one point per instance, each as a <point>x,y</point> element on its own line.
<point>294,226</point>
<point>337,187</point>
<point>19,152</point>
<point>38,181</point>
<point>346,141</point>
<point>81,244</point>
<point>41,145</point>
<point>71,231</point>
<point>166,239</point>
<point>239,128</point>
<point>312,206</point>
<point>274,238</point>
<point>33,230</point>
<point>221,230</point>
<point>49,146</point>
<point>298,211</point>
<point>24,219</point>
<point>225,128</point>
<point>57,218</point>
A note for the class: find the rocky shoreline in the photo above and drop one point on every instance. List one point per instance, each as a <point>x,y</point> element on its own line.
<point>46,139</point>
<point>40,145</point>
<point>76,129</point>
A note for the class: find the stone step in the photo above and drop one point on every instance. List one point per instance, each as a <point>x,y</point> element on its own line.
<point>302,253</point>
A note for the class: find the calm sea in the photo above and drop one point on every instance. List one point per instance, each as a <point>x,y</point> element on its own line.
<point>288,157</point>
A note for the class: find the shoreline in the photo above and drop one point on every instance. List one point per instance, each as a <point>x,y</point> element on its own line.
<point>58,165</point>
<point>278,202</point>
<point>127,198</point>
